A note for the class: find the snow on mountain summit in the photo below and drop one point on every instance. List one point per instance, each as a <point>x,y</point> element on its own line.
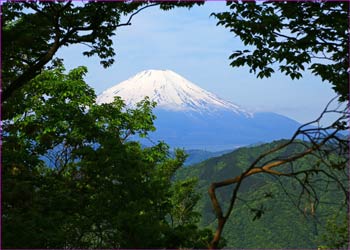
<point>193,118</point>
<point>171,92</point>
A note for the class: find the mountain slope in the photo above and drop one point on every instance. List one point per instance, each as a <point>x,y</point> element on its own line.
<point>193,118</point>
<point>281,225</point>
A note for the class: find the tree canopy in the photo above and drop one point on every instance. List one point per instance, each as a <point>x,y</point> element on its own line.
<point>33,31</point>
<point>73,178</point>
<point>292,37</point>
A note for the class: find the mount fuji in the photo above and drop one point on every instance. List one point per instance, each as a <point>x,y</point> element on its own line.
<point>193,118</point>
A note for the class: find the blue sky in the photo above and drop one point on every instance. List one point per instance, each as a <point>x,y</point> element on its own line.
<point>189,43</point>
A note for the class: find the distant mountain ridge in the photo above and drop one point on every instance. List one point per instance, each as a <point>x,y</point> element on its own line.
<point>193,118</point>
<point>197,155</point>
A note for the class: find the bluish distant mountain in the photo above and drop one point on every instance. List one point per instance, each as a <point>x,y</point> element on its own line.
<point>198,155</point>
<point>192,118</point>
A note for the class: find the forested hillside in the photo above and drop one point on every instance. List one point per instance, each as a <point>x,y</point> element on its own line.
<point>266,215</point>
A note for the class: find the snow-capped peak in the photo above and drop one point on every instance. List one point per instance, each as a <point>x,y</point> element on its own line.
<point>171,92</point>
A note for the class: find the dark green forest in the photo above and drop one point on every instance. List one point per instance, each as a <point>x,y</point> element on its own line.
<point>73,178</point>
<point>266,213</point>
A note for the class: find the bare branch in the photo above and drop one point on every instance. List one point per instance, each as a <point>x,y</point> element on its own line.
<point>59,40</point>
<point>136,12</point>
<point>320,143</point>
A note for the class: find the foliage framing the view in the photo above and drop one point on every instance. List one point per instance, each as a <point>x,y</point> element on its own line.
<point>33,32</point>
<point>311,35</point>
<point>64,157</point>
<point>72,178</point>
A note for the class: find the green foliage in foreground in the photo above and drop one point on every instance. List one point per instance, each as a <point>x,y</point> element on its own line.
<point>291,38</point>
<point>265,216</point>
<point>71,178</point>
